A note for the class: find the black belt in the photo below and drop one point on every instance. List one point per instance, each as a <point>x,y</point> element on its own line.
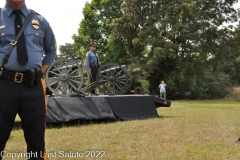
<point>18,77</point>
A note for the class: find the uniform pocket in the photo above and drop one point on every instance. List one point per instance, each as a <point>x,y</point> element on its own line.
<point>35,39</point>
<point>6,36</point>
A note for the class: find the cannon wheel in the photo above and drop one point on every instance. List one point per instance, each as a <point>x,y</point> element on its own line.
<point>129,82</point>
<point>86,81</point>
<point>113,79</point>
<point>64,77</point>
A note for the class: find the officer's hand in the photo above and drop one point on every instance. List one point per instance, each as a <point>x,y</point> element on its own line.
<point>89,71</point>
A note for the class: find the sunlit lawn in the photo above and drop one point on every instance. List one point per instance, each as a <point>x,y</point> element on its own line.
<point>188,130</point>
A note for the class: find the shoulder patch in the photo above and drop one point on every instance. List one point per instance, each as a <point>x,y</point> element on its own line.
<point>34,11</point>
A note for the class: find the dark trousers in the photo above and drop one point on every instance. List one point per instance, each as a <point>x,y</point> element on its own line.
<point>93,77</point>
<point>29,103</point>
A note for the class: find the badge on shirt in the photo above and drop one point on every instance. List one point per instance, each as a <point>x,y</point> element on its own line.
<point>35,24</point>
<point>3,26</point>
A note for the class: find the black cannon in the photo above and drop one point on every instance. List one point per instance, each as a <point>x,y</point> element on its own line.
<point>65,77</point>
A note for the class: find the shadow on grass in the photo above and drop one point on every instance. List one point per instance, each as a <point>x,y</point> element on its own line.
<point>167,117</point>
<point>49,125</point>
<point>78,123</point>
<point>90,122</point>
<point>17,124</point>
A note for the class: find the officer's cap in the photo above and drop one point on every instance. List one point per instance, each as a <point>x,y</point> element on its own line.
<point>92,43</point>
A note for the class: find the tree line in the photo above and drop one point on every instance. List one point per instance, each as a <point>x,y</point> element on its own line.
<point>192,45</point>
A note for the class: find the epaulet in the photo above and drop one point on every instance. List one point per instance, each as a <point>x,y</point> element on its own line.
<point>34,11</point>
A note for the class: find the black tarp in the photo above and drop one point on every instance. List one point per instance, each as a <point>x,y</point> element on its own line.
<point>133,107</point>
<point>64,109</point>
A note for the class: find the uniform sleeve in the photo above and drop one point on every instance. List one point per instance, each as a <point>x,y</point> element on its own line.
<point>50,45</point>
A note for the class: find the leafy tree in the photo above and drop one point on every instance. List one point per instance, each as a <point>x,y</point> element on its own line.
<point>235,49</point>
<point>189,44</point>
<point>94,27</point>
<point>68,51</point>
<point>171,40</point>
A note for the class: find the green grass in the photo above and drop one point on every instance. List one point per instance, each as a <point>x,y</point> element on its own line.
<point>188,130</point>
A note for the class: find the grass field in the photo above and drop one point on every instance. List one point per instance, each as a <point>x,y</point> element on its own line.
<point>188,130</point>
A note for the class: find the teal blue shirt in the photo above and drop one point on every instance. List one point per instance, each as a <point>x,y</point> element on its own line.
<point>162,88</point>
<point>40,41</point>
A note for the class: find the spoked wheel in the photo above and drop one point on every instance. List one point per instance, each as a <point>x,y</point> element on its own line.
<point>86,81</point>
<point>64,77</point>
<point>112,79</point>
<point>129,82</point>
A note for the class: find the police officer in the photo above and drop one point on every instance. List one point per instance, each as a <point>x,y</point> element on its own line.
<point>17,96</point>
<point>92,63</point>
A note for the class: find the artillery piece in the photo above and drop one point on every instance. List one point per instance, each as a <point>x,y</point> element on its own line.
<point>65,77</point>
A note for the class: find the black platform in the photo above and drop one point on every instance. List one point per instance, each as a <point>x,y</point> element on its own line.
<point>123,107</point>
<point>159,102</point>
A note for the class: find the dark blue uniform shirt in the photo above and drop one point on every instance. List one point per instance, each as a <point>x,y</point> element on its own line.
<point>40,41</point>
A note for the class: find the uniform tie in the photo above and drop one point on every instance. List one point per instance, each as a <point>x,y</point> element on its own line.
<point>22,56</point>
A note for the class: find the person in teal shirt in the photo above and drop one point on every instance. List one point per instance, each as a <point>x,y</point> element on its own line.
<point>162,90</point>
